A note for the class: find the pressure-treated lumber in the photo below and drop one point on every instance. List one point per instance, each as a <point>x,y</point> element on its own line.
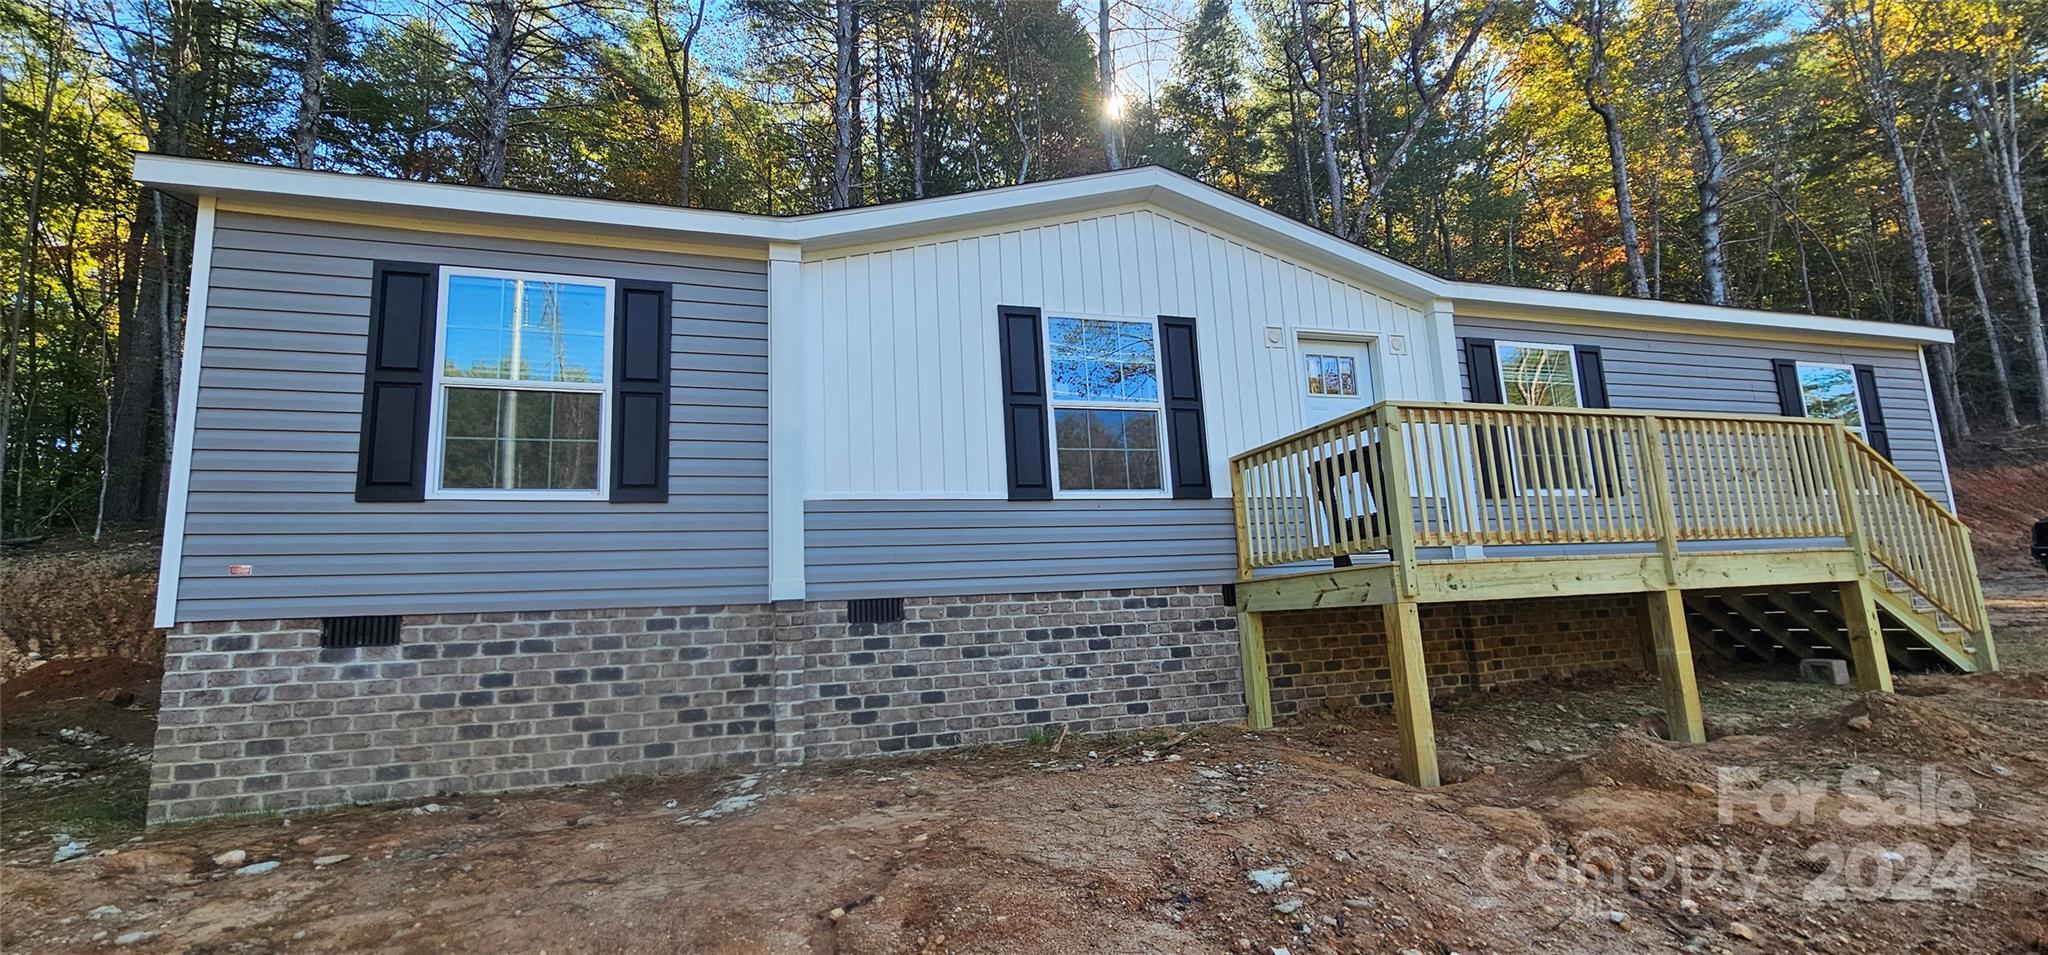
<point>1412,719</point>
<point>1866,638</point>
<point>1258,689</point>
<point>1675,680</point>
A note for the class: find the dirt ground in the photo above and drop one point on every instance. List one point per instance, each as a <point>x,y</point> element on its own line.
<point>1558,833</point>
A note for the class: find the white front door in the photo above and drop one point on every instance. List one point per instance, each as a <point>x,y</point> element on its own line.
<point>1335,379</point>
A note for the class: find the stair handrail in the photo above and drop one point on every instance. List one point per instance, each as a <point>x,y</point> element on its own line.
<point>1940,565</point>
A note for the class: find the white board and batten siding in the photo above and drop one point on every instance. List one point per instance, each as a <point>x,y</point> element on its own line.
<point>273,464</point>
<point>905,483</point>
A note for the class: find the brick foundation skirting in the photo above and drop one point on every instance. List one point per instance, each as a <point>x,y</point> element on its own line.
<point>256,716</point>
<point>1322,657</point>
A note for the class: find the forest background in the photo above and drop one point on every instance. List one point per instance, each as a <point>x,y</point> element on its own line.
<point>1875,159</point>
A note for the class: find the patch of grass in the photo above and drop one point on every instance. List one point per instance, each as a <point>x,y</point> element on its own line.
<point>103,810</point>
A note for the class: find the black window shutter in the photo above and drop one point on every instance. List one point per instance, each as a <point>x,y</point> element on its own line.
<point>1181,383</point>
<point>1791,402</point>
<point>1592,376</point>
<point>640,334</point>
<point>391,459</point>
<point>1593,394</point>
<point>1482,386</point>
<point>1024,404</point>
<point>1874,430</point>
<point>1482,372</point>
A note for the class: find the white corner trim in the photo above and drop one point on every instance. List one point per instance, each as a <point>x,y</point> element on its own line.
<point>790,342</point>
<point>171,560</point>
<point>1443,326</point>
<point>1948,478</point>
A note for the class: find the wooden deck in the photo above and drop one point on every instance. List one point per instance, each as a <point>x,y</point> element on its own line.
<point>1403,504</point>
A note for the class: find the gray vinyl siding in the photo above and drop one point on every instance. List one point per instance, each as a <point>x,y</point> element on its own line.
<point>1712,373</point>
<point>280,403</point>
<point>943,548</point>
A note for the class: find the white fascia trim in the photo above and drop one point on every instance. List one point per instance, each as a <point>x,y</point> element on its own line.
<point>241,180</point>
<point>1543,304</point>
<point>171,560</point>
<point>790,343</point>
<point>825,230</point>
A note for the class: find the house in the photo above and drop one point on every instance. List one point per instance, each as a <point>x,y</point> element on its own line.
<point>478,490</point>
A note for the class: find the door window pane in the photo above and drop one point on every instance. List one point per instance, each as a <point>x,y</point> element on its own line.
<point>1335,376</point>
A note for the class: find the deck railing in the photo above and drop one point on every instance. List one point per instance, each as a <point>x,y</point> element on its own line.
<point>1401,477</point>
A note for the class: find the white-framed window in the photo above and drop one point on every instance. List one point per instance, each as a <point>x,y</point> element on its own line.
<point>1533,375</point>
<point>1108,434</point>
<point>1829,391</point>
<point>522,386</point>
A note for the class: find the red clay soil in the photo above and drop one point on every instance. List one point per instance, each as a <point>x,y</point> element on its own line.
<point>2001,482</point>
<point>67,678</point>
<point>1557,839</point>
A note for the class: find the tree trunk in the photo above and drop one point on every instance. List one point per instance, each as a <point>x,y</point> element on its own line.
<point>918,43</point>
<point>1713,262</point>
<point>312,85</point>
<point>21,318</point>
<point>1998,133</point>
<point>138,357</point>
<point>170,314</point>
<point>500,45</point>
<point>1105,69</point>
<point>676,57</point>
<point>1429,96</point>
<point>1973,256</point>
<point>1311,211</point>
<point>1877,90</point>
<point>1332,172</point>
<point>1360,108</point>
<point>846,44</point>
<point>1617,155</point>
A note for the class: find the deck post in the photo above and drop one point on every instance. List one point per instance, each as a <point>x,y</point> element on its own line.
<point>1675,681</point>
<point>1400,503</point>
<point>1412,719</point>
<point>1258,690</point>
<point>1657,483</point>
<point>1987,648</point>
<point>1866,638</point>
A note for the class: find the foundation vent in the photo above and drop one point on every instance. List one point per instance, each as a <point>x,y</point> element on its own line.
<point>342,633</point>
<point>875,610</point>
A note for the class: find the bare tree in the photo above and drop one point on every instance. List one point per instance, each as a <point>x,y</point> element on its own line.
<point>1429,94</point>
<point>675,54</point>
<point>1973,256</point>
<point>502,29</point>
<point>846,66</point>
<point>920,49</point>
<point>1325,127</point>
<point>1105,75</point>
<point>1593,22</point>
<point>1994,111</point>
<point>1712,174</point>
<point>312,83</point>
<point>1863,34</point>
<point>20,318</point>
